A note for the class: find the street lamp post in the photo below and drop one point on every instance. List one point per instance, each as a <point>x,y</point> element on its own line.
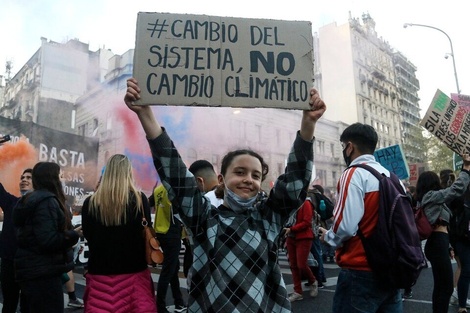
<point>451,49</point>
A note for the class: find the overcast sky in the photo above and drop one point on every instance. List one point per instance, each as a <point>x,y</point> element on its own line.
<point>111,24</point>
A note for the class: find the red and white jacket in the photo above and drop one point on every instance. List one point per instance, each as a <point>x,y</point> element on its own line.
<point>356,206</point>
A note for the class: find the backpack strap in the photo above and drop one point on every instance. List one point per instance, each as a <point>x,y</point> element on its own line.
<point>372,170</point>
<point>377,175</point>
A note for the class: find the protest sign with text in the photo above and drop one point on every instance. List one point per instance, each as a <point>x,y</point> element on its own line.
<point>462,100</point>
<point>416,169</point>
<point>449,122</point>
<point>200,60</point>
<point>393,159</point>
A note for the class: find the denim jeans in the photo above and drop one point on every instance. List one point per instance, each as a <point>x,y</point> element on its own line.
<point>318,255</point>
<point>462,250</point>
<point>359,291</point>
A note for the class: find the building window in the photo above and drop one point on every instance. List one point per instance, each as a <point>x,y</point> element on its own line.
<point>321,147</point>
<point>95,127</point>
<point>72,120</point>
<point>215,161</point>
<point>82,130</point>
<point>322,175</point>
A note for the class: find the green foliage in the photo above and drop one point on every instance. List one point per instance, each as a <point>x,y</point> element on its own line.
<point>439,156</point>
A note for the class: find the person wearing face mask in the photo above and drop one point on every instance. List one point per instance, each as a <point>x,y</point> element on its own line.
<point>9,245</point>
<point>357,206</point>
<point>235,266</point>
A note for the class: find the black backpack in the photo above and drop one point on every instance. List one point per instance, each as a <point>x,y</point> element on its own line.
<point>329,206</point>
<point>393,249</point>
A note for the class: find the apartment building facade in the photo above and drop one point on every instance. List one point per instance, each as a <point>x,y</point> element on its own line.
<point>369,82</point>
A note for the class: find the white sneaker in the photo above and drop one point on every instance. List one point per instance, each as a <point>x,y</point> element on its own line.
<point>314,289</point>
<point>77,303</point>
<point>454,299</point>
<point>295,297</point>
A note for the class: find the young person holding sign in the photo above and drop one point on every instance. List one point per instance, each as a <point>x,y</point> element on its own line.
<point>235,265</point>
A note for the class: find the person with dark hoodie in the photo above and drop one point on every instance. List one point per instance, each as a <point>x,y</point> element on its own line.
<point>45,238</point>
<point>8,245</point>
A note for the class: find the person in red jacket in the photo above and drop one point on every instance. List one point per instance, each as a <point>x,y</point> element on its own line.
<point>299,241</point>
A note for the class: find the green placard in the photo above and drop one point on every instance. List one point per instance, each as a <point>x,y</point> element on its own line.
<point>458,161</point>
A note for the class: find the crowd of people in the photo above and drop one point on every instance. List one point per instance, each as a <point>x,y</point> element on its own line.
<point>232,230</point>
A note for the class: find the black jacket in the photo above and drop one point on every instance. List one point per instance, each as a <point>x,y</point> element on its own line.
<point>44,246</point>
<point>8,235</point>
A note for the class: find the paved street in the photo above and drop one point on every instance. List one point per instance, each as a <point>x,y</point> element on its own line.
<point>420,303</point>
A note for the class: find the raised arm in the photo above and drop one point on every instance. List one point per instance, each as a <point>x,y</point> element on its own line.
<point>144,112</point>
<point>310,117</point>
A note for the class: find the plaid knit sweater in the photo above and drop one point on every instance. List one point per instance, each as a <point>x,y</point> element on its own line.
<point>235,266</point>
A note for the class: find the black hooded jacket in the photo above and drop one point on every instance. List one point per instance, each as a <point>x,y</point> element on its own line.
<point>44,244</point>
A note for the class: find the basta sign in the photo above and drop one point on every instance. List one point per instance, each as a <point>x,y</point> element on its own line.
<point>200,60</point>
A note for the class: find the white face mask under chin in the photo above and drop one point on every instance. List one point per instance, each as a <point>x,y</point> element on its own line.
<point>236,203</point>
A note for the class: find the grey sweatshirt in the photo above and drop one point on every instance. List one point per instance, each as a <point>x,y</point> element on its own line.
<point>434,201</point>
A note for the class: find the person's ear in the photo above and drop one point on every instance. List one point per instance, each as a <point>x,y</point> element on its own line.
<point>200,182</point>
<point>221,180</point>
<point>350,149</point>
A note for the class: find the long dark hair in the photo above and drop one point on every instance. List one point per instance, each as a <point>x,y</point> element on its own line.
<point>45,176</point>
<point>427,181</point>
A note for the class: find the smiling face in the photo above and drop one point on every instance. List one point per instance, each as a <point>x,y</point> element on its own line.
<point>26,183</point>
<point>243,176</point>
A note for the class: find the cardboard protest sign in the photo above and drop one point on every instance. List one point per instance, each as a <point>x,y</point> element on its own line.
<point>393,159</point>
<point>415,170</point>
<point>200,60</point>
<point>413,173</point>
<point>449,122</point>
